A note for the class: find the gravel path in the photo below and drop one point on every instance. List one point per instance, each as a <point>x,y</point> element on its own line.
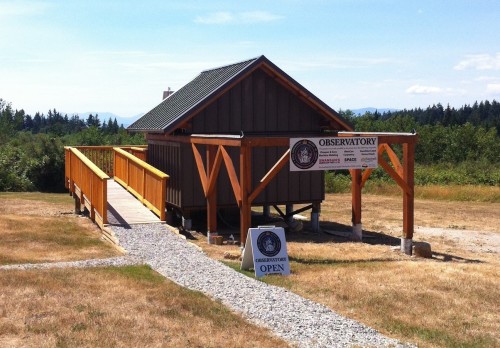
<point>296,319</point>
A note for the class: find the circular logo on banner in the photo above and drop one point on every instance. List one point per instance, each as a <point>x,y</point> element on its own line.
<point>269,243</point>
<point>304,154</point>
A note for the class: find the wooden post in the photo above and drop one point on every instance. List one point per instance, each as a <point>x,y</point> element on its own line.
<point>163,213</point>
<point>245,183</point>
<point>288,213</point>
<point>357,230</point>
<point>266,211</point>
<point>212,196</point>
<point>143,187</point>
<point>104,203</point>
<point>408,197</point>
<point>78,205</point>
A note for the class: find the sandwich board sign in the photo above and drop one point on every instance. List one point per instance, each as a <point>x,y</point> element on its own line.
<point>265,251</point>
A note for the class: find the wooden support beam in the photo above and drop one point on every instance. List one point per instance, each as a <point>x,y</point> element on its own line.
<point>366,174</point>
<point>398,177</point>
<point>211,195</point>
<point>201,168</point>
<point>394,159</point>
<point>214,141</point>
<point>233,177</point>
<point>266,142</point>
<point>245,187</point>
<point>214,167</point>
<point>389,170</point>
<point>283,216</point>
<point>270,175</point>
<point>408,196</point>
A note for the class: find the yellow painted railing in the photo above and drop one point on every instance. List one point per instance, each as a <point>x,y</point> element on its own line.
<point>144,181</point>
<point>139,152</point>
<point>88,183</point>
<point>103,156</point>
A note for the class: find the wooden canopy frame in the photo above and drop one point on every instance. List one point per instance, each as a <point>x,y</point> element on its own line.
<point>245,194</point>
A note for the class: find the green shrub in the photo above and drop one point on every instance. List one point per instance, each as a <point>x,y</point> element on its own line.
<point>337,182</point>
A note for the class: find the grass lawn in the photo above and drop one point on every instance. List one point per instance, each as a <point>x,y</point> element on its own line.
<point>115,307</point>
<point>37,227</point>
<point>100,307</point>
<point>450,300</point>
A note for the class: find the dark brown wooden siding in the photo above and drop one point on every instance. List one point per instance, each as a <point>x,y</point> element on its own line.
<point>184,188</point>
<point>166,156</point>
<point>257,104</point>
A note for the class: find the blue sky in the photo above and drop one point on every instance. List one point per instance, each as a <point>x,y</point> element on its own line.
<point>118,56</point>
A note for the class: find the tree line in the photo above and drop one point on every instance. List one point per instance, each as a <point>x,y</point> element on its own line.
<point>438,143</point>
<point>55,123</point>
<point>32,147</point>
<point>484,113</point>
<point>460,146</point>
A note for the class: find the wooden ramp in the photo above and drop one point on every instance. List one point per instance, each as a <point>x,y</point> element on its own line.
<point>124,209</point>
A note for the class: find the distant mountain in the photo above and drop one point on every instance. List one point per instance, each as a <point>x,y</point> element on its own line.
<point>104,116</point>
<point>372,110</point>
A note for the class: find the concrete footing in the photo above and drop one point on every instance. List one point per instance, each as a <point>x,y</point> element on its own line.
<point>211,237</point>
<point>422,249</point>
<point>315,212</point>
<point>406,246</point>
<point>357,232</point>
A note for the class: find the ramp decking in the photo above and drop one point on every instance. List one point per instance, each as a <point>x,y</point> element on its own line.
<point>124,209</point>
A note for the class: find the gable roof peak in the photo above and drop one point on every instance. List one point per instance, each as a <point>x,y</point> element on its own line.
<point>244,63</point>
<point>204,88</point>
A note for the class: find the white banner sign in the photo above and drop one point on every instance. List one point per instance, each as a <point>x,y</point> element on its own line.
<point>265,251</point>
<point>333,153</point>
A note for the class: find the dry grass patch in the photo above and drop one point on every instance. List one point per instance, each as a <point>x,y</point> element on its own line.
<point>107,307</point>
<point>382,213</point>
<point>464,193</point>
<point>41,228</point>
<point>448,301</point>
<point>62,199</point>
<point>430,302</point>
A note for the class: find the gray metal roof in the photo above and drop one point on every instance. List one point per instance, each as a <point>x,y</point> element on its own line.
<point>186,100</point>
<point>167,115</point>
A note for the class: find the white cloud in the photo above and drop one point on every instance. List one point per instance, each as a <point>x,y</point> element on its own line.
<point>493,88</point>
<point>419,89</point>
<point>487,78</point>
<point>216,18</point>
<point>479,62</point>
<point>241,17</point>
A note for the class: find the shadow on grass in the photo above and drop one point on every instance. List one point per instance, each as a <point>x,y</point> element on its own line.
<point>339,233</point>
<point>332,232</point>
<point>453,258</point>
<point>337,261</point>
